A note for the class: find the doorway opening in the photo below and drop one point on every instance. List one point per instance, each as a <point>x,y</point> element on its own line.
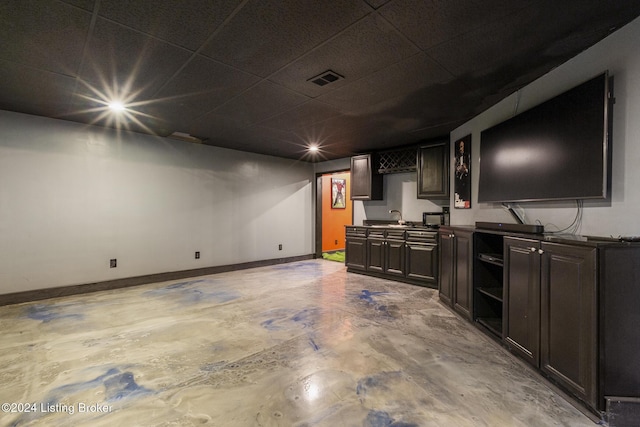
<point>334,210</point>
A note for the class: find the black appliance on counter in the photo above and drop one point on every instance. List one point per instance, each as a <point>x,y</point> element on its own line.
<point>436,219</point>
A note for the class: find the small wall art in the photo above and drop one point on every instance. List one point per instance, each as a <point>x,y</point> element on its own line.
<point>338,193</point>
<point>462,186</point>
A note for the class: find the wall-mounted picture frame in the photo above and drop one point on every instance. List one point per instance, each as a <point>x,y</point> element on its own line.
<point>462,170</point>
<point>338,193</point>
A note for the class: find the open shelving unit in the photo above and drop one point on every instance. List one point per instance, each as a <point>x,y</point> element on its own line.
<point>488,282</point>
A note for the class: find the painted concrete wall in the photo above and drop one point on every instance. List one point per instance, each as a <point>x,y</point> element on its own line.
<point>73,197</point>
<point>619,54</point>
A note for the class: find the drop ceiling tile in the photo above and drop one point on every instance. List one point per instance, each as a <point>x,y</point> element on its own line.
<point>364,48</point>
<point>262,101</point>
<point>301,116</point>
<point>187,23</point>
<point>32,91</point>
<point>83,4</point>
<point>429,23</point>
<point>387,88</point>
<point>43,33</point>
<point>122,60</point>
<point>266,35</point>
<point>200,87</point>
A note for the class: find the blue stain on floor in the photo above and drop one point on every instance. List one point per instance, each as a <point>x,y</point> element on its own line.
<point>377,382</point>
<point>383,419</point>
<point>49,312</point>
<point>195,291</point>
<point>116,384</point>
<point>313,344</point>
<point>370,298</point>
<point>281,318</point>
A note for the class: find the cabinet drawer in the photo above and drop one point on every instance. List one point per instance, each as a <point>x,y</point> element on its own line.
<point>356,231</point>
<point>395,234</point>
<point>422,236</point>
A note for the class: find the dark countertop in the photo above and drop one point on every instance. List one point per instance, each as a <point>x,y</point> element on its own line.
<point>572,239</point>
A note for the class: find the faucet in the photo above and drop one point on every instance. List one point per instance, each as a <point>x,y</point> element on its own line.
<point>400,221</point>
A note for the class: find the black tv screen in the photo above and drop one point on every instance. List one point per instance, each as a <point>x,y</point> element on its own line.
<point>557,150</point>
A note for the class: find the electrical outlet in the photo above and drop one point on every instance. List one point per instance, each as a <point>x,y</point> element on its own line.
<point>197,254</point>
<point>280,247</point>
<point>113,263</point>
<point>336,242</point>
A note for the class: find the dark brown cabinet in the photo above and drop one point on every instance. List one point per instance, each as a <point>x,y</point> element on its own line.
<point>356,248</point>
<point>550,315</point>
<point>569,319</point>
<point>366,182</point>
<point>433,170</point>
<point>386,252</point>
<point>406,254</point>
<point>521,318</point>
<point>422,256</point>
<point>456,269</point>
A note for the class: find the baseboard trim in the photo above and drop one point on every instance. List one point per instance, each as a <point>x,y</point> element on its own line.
<point>63,291</point>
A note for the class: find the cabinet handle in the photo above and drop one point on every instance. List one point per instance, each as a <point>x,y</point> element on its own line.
<point>533,249</point>
<point>540,251</point>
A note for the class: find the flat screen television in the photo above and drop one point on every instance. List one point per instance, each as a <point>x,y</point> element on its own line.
<point>558,150</point>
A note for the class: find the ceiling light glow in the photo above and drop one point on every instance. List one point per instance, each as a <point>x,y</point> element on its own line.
<point>116,106</point>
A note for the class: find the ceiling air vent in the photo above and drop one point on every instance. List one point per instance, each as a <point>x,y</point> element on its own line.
<point>325,78</point>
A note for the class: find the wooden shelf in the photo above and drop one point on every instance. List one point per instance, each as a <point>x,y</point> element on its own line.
<point>494,325</point>
<point>495,293</point>
<point>495,259</point>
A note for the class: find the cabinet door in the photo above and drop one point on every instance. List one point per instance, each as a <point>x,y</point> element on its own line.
<point>445,279</point>
<point>463,277</point>
<point>569,318</point>
<point>366,183</point>
<point>394,257</point>
<point>433,171</point>
<point>375,255</point>
<point>356,253</point>
<point>422,261</point>
<point>521,316</point>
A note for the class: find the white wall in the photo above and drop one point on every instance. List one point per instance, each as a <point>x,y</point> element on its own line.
<point>399,192</point>
<point>619,54</point>
<point>72,197</point>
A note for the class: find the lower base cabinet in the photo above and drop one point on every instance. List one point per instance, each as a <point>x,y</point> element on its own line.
<point>407,255</point>
<point>550,314</point>
<point>568,308</point>
<point>455,284</point>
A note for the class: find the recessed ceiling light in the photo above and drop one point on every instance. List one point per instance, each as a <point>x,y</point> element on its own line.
<point>116,106</point>
<point>313,148</point>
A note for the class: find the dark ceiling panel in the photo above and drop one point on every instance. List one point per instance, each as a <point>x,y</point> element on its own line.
<point>235,72</point>
<point>382,90</point>
<point>266,35</point>
<point>187,23</point>
<point>378,46</point>
<point>123,60</point>
<point>33,91</point>
<point>43,33</point>
<point>83,4</point>
<point>260,102</point>
<point>199,88</point>
<point>302,116</point>
<point>445,20</point>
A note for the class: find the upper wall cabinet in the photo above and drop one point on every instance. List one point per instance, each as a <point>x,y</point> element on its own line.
<point>366,183</point>
<point>433,171</point>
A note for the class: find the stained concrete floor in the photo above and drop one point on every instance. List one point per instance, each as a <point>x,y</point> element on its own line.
<point>300,344</point>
